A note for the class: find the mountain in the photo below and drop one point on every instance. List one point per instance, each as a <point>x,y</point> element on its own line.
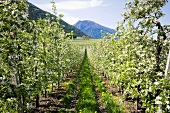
<point>93,29</point>
<point>35,13</point>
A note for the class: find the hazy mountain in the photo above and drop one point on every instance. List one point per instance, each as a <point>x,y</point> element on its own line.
<point>35,13</point>
<point>93,29</point>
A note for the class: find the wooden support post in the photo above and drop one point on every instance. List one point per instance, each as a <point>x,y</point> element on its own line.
<point>167,66</point>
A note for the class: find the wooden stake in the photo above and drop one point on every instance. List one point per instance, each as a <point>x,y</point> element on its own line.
<point>167,66</point>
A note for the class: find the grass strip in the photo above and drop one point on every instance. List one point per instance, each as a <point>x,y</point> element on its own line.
<point>86,98</point>
<point>107,99</point>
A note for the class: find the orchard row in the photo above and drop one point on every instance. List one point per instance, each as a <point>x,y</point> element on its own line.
<point>135,58</point>
<point>33,56</point>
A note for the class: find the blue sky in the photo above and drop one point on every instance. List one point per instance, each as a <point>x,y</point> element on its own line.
<point>104,12</point>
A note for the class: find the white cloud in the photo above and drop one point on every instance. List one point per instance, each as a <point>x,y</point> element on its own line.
<point>74,4</point>
<point>95,3</point>
<point>71,5</point>
<point>71,20</point>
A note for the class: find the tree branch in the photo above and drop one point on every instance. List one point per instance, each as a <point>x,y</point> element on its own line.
<point>158,24</point>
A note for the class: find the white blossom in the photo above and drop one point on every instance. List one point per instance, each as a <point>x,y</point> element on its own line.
<point>156,83</point>
<point>168,107</point>
<point>159,110</point>
<point>158,98</point>
<point>158,102</point>
<point>167,102</point>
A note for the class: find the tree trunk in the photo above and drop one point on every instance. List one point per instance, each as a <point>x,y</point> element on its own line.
<point>45,93</point>
<point>37,101</point>
<point>52,87</point>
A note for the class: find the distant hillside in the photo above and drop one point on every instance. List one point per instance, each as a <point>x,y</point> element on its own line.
<point>35,13</point>
<point>93,29</point>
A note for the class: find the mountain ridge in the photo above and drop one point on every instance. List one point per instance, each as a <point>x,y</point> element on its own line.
<point>93,29</point>
<point>35,13</point>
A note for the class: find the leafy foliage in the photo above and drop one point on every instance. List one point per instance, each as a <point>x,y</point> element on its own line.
<point>136,62</point>
<point>32,56</point>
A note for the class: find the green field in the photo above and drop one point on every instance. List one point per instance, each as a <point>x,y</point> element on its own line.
<point>86,42</point>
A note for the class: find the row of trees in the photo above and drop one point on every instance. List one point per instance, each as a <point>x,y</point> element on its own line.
<point>136,62</point>
<point>33,55</point>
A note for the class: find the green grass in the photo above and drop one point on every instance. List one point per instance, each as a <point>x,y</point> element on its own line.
<point>106,97</point>
<point>86,42</point>
<point>86,98</point>
<point>87,102</point>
